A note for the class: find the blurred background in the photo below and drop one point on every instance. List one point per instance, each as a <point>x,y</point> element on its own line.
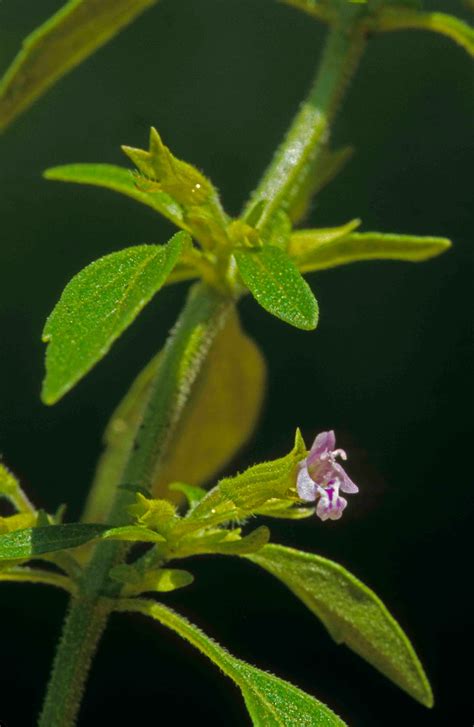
<point>388,367</point>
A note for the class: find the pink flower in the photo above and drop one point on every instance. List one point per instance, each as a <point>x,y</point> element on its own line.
<point>320,478</point>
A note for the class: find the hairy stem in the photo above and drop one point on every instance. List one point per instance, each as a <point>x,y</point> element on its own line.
<point>183,356</point>
<point>297,157</point>
<point>184,353</point>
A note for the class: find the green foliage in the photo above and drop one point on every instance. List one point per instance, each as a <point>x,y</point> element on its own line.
<point>310,250</point>
<point>160,580</point>
<point>270,701</point>
<point>351,612</point>
<point>276,284</point>
<point>30,542</point>
<point>60,44</point>
<point>122,181</point>
<point>98,305</point>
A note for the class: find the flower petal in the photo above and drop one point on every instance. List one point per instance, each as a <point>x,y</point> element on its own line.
<point>324,442</point>
<point>305,486</point>
<point>346,484</point>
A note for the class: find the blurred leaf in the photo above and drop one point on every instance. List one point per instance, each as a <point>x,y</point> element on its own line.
<point>222,410</point>
<point>11,489</point>
<point>277,231</point>
<point>23,574</point>
<point>276,284</point>
<point>31,542</point>
<point>119,180</point>
<point>60,44</point>
<point>159,515</point>
<point>362,246</point>
<point>271,702</point>
<point>18,522</point>
<point>448,25</point>
<point>351,612</point>
<point>304,242</point>
<point>243,494</point>
<point>192,493</point>
<point>133,533</point>
<point>97,305</point>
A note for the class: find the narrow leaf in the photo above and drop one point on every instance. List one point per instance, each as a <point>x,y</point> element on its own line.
<point>271,702</point>
<point>133,533</point>
<point>361,246</point>
<point>119,180</point>
<point>351,612</point>
<point>448,25</point>
<point>30,542</point>
<point>36,575</point>
<point>98,305</point>
<point>276,284</point>
<point>192,493</point>
<point>60,44</point>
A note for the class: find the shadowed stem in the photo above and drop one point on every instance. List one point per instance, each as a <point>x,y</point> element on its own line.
<point>183,357</point>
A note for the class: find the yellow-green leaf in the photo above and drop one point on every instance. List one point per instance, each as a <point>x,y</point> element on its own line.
<point>98,305</point>
<point>276,284</point>
<point>311,253</point>
<point>270,701</point>
<point>119,180</point>
<point>406,19</point>
<point>351,612</point>
<point>60,44</point>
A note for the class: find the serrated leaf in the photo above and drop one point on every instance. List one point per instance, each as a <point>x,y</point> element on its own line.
<point>400,19</point>
<point>119,180</point>
<point>60,44</point>
<point>244,494</point>
<point>98,305</point>
<point>351,612</point>
<point>310,254</point>
<point>31,542</point>
<point>271,702</point>
<point>276,284</point>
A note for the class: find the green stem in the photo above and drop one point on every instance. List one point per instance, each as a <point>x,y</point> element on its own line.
<point>182,358</point>
<point>296,158</point>
<point>184,353</point>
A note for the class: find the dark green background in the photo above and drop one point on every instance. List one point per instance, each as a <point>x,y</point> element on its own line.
<point>387,368</point>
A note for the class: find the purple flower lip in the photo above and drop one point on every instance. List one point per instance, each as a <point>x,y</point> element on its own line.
<point>320,478</point>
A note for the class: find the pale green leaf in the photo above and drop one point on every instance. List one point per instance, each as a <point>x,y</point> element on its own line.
<point>271,702</point>
<point>24,574</point>
<point>310,253</point>
<point>119,180</point>
<point>400,19</point>
<point>60,44</point>
<point>133,533</point>
<point>98,305</point>
<point>351,612</point>
<point>162,580</point>
<point>222,542</point>
<point>192,493</point>
<point>276,284</point>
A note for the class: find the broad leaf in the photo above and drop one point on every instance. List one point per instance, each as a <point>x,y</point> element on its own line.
<point>271,702</point>
<point>119,180</point>
<point>98,305</point>
<point>351,612</point>
<point>60,44</point>
<point>276,284</point>
<point>311,253</point>
<point>218,419</point>
<point>31,542</point>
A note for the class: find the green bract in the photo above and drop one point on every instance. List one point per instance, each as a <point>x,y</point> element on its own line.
<point>98,305</point>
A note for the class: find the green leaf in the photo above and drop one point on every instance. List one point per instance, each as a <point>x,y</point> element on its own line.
<point>30,542</point>
<point>222,542</point>
<point>98,305</point>
<point>133,533</point>
<point>276,284</point>
<point>399,19</point>
<point>162,580</point>
<point>351,612</point>
<point>192,493</point>
<point>271,702</point>
<point>60,44</point>
<point>312,254</point>
<point>119,180</point>
<point>245,493</point>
